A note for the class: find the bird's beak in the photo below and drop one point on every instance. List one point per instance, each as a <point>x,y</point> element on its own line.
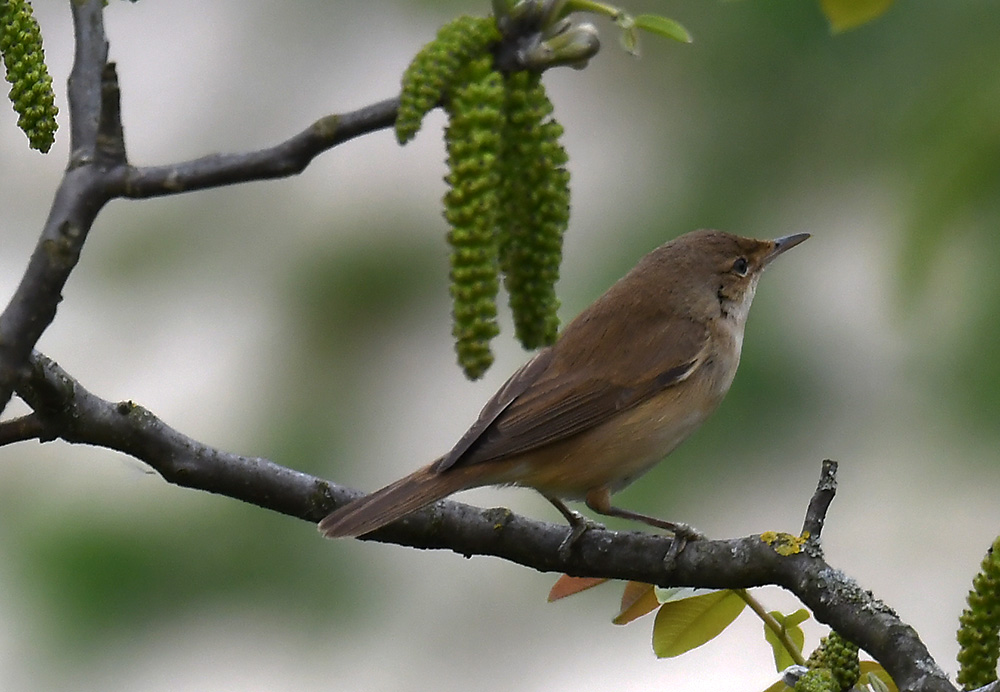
<point>782,244</point>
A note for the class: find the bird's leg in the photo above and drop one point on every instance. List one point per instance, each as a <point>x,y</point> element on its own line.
<point>599,500</point>
<point>578,523</point>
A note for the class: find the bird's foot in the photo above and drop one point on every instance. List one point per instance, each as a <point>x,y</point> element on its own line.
<point>683,534</point>
<point>579,525</point>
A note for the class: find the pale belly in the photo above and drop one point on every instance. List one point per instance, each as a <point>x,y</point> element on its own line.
<point>614,454</point>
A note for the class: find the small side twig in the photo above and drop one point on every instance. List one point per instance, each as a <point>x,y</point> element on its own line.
<point>826,488</point>
<point>84,97</point>
<point>772,625</point>
<point>280,161</point>
<point>110,141</point>
<point>29,427</point>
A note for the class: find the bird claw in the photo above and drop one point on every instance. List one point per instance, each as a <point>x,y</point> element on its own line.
<point>579,525</point>
<point>683,533</point>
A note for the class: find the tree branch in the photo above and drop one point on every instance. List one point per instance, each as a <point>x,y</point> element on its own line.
<point>98,171</point>
<point>81,194</point>
<point>22,429</point>
<point>285,159</point>
<point>812,527</point>
<point>84,93</point>
<point>65,408</point>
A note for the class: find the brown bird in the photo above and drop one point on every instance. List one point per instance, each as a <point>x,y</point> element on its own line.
<point>626,382</point>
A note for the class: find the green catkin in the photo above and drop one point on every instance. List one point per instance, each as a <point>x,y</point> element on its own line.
<point>435,68</point>
<point>508,198</point>
<point>979,625</point>
<point>473,138</point>
<point>534,210</point>
<point>842,660</point>
<point>31,86</point>
<point>817,659</point>
<point>817,680</point>
<point>838,656</point>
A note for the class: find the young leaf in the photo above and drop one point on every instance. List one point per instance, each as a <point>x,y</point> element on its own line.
<point>662,26</point>
<point>629,40</point>
<point>790,625</point>
<point>872,669</point>
<point>638,599</point>
<point>679,593</point>
<point>797,618</point>
<point>567,586</point>
<point>687,624</point>
<point>849,14</point>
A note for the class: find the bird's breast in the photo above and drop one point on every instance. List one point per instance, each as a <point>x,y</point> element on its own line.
<point>616,452</point>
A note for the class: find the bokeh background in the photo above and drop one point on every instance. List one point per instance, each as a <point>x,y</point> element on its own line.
<point>307,320</point>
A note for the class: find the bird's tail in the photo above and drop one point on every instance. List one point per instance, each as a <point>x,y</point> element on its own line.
<point>419,489</point>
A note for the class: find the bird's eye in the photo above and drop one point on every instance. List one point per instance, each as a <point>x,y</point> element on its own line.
<point>740,266</point>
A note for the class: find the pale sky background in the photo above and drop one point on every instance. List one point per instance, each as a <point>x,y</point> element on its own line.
<point>191,306</point>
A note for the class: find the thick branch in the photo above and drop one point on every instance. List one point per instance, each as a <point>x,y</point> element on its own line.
<point>67,410</point>
<point>80,196</point>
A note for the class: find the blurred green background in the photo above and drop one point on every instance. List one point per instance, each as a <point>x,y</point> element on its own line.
<point>307,320</point>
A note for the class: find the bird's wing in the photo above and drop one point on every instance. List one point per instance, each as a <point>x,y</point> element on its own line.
<point>547,400</point>
<point>516,384</point>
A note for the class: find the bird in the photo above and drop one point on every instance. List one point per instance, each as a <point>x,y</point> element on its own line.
<point>625,382</point>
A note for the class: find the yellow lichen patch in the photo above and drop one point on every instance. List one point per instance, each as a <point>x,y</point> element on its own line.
<point>785,543</point>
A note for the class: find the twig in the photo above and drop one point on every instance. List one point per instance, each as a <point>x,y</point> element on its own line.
<point>282,160</point>
<point>109,145</point>
<point>826,488</point>
<point>84,93</point>
<point>28,427</point>
<point>773,625</point>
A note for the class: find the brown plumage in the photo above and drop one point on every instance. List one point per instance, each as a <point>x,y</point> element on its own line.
<point>394,501</point>
<point>626,382</point>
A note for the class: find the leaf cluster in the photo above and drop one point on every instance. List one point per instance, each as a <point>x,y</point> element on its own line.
<point>688,618</point>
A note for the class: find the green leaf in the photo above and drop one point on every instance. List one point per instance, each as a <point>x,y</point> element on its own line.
<point>679,593</point>
<point>797,618</point>
<point>686,624</point>
<point>790,625</point>
<point>849,14</point>
<point>656,24</point>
